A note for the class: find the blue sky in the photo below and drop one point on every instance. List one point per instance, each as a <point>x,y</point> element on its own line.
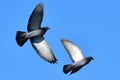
<point>93,25</point>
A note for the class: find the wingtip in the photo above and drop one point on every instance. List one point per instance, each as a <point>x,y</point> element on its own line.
<point>65,40</point>
<point>53,62</point>
<point>39,7</point>
<point>62,40</point>
<point>40,4</point>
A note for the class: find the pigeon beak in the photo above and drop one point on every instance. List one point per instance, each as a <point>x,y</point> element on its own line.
<point>48,28</point>
<point>92,58</point>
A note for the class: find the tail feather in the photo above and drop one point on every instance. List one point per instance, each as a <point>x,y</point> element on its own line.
<point>76,69</point>
<point>67,68</point>
<point>20,38</point>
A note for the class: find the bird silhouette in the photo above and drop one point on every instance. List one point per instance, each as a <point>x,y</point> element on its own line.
<point>76,56</point>
<point>35,34</point>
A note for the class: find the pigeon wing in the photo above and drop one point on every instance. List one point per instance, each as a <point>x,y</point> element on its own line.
<point>36,18</point>
<point>43,49</point>
<point>73,51</point>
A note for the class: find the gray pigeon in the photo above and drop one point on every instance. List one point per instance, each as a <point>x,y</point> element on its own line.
<point>35,34</point>
<point>76,55</point>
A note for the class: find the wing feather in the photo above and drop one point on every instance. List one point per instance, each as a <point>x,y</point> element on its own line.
<point>36,18</point>
<point>74,52</point>
<point>44,51</point>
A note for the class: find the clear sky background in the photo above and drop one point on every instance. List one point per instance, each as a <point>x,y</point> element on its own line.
<point>93,25</point>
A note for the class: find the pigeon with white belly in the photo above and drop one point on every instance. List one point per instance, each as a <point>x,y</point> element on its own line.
<point>76,55</point>
<point>35,34</point>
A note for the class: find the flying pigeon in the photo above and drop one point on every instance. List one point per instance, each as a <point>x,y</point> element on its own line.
<point>35,34</point>
<point>76,56</point>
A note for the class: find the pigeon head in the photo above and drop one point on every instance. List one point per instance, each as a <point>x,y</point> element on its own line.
<point>90,58</point>
<point>46,28</point>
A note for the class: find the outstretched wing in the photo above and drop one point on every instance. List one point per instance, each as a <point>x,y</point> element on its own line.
<point>36,18</point>
<point>43,49</point>
<point>73,51</point>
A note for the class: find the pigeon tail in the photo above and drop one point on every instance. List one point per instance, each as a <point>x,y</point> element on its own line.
<point>21,38</point>
<point>76,69</point>
<point>67,68</point>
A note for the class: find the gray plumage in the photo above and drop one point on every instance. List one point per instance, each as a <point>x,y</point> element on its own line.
<point>35,34</point>
<point>76,56</point>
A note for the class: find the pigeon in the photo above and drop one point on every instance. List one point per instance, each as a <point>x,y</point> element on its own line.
<point>35,34</point>
<point>76,56</point>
